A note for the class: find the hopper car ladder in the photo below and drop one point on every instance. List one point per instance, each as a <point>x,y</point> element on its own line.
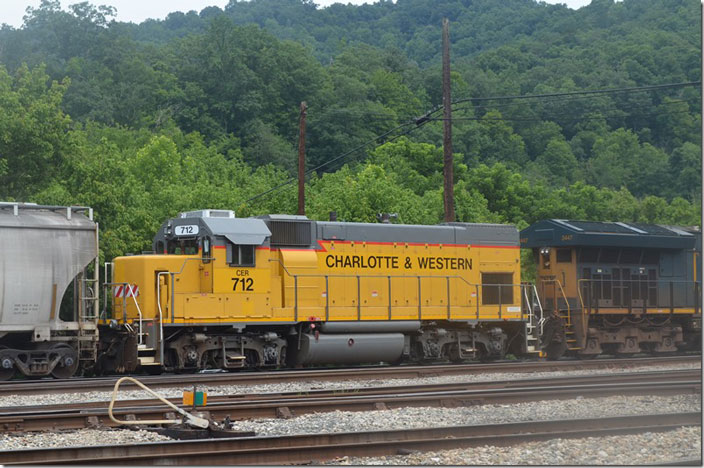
<point>86,287</point>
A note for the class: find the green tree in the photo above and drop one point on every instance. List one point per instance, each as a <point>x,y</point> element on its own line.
<point>33,131</point>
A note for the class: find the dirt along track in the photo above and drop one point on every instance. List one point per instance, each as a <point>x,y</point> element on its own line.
<point>51,386</point>
<point>315,448</point>
<point>284,405</point>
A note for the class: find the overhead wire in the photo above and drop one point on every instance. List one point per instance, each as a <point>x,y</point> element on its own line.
<point>535,119</point>
<point>425,118</point>
<point>344,155</point>
<point>578,93</point>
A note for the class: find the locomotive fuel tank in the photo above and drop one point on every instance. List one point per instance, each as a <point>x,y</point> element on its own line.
<point>350,348</point>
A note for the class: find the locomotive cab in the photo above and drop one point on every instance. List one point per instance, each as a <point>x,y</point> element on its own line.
<point>209,277</point>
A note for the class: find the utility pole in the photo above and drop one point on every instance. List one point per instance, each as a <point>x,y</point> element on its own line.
<point>448,195</point>
<point>302,160</point>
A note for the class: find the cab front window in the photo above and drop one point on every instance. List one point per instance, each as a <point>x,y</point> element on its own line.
<point>183,247</point>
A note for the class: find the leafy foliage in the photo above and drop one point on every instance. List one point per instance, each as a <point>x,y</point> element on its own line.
<point>201,110</point>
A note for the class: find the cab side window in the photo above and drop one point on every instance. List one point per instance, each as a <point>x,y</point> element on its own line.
<point>240,255</point>
<point>206,249</point>
<point>497,288</point>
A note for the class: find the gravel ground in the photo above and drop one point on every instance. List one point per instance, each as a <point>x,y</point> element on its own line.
<point>647,448</point>
<point>303,386</point>
<point>409,418</point>
<point>77,438</point>
<point>685,443</point>
<point>644,448</point>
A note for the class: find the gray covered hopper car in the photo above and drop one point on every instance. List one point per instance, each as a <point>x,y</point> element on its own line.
<point>43,251</point>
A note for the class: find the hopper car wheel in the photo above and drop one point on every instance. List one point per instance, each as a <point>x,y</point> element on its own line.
<point>5,373</point>
<point>62,371</point>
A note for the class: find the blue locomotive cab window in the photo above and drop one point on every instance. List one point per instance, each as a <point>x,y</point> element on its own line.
<point>240,255</point>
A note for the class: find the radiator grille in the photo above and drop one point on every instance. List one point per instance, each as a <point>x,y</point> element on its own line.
<point>290,233</point>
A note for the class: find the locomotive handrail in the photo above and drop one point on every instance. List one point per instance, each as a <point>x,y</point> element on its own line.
<point>161,321</point>
<point>567,303</point>
<point>541,322</point>
<point>158,295</point>
<point>105,296</point>
<point>130,293</point>
<point>639,282</point>
<point>447,278</point>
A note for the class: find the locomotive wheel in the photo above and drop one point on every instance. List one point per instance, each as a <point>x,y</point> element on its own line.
<point>62,371</point>
<point>6,374</point>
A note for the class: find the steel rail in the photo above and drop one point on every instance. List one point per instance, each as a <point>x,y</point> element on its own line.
<point>47,386</point>
<point>314,448</point>
<point>651,376</point>
<point>289,406</point>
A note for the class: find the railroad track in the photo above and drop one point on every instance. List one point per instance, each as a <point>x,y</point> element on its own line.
<point>48,386</point>
<point>282,405</point>
<point>316,448</point>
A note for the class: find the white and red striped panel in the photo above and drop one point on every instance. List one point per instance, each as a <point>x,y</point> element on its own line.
<point>126,290</point>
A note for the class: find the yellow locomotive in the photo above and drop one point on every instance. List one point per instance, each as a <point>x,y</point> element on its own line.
<point>225,292</point>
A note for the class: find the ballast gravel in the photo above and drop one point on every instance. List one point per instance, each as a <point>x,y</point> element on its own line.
<point>412,418</point>
<point>304,386</point>
<point>345,421</point>
<point>684,443</point>
<point>78,438</point>
<point>639,449</point>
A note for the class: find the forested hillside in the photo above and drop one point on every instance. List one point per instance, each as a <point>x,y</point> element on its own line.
<point>200,110</point>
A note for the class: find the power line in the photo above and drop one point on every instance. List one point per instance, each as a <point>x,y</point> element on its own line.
<point>344,155</point>
<point>579,93</point>
<point>625,109</point>
<point>425,118</point>
<point>412,129</point>
<point>548,102</point>
<point>510,119</point>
